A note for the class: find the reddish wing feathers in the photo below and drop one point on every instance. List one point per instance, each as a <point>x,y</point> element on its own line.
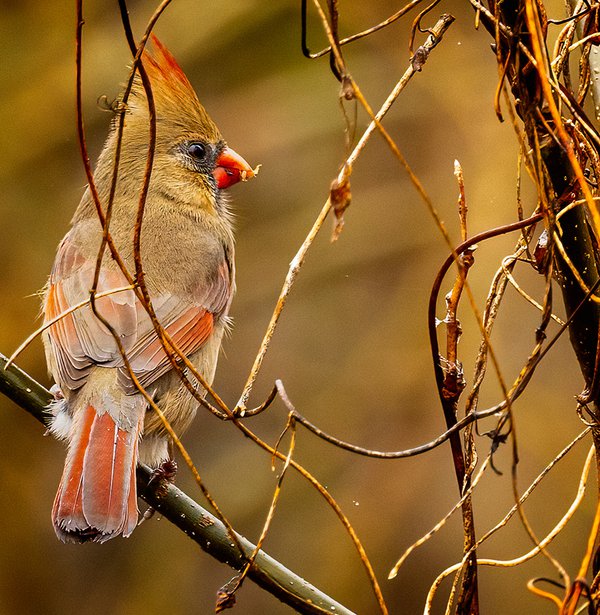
<point>97,498</point>
<point>69,357</point>
<point>79,340</point>
<point>188,332</point>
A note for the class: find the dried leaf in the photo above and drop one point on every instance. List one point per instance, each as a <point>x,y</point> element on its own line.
<point>225,600</point>
<point>340,197</point>
<point>418,60</point>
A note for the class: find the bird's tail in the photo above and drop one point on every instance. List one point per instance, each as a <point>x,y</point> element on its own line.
<point>97,496</point>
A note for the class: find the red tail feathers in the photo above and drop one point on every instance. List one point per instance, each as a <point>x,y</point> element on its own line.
<point>97,497</point>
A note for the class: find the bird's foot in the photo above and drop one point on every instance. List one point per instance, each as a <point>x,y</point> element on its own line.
<point>166,471</point>
<point>164,474</point>
<point>56,392</point>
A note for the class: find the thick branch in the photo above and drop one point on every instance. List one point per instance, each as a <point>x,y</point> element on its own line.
<point>578,245</point>
<point>200,525</point>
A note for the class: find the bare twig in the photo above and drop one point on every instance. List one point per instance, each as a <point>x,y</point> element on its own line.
<point>271,513</point>
<point>530,554</point>
<point>454,384</point>
<point>508,515</point>
<point>354,37</point>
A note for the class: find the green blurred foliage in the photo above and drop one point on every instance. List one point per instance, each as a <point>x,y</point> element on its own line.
<point>352,345</point>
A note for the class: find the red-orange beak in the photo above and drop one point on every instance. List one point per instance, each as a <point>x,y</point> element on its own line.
<point>231,168</point>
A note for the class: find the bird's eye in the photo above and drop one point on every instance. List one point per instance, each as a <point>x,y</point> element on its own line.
<point>197,151</point>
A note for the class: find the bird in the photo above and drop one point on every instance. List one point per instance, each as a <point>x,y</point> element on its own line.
<point>187,255</point>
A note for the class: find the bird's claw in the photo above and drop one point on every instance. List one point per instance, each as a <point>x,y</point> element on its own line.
<point>166,471</point>
<point>56,392</point>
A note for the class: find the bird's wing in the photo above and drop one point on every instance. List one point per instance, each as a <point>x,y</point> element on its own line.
<point>80,340</point>
<point>188,324</point>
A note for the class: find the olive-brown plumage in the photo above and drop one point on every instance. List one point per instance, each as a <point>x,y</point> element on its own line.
<point>187,254</point>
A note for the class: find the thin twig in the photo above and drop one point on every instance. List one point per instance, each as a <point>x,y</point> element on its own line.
<point>354,37</point>
<point>530,554</point>
<point>442,522</point>
<point>271,513</point>
<point>508,515</point>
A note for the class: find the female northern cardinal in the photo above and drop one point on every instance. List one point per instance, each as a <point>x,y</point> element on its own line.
<point>187,256</point>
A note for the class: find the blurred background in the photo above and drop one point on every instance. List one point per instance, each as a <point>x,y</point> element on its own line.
<point>352,346</point>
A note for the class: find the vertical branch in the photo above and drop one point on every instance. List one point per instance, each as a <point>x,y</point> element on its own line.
<point>453,386</point>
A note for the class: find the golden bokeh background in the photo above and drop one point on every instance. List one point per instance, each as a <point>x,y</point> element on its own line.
<point>352,344</point>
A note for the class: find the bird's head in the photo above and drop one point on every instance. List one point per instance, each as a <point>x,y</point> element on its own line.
<point>192,162</point>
